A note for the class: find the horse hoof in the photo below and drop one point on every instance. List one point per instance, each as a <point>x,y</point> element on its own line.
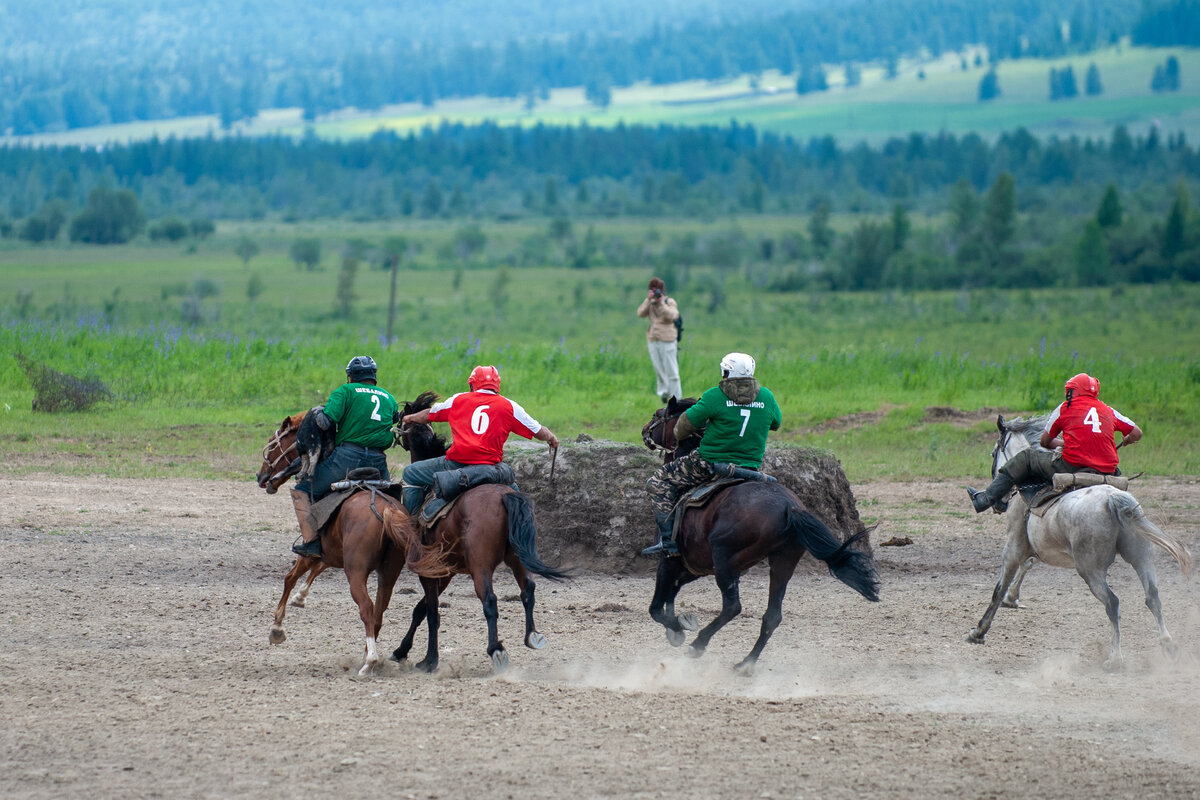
<point>975,637</point>
<point>298,602</point>
<point>277,634</point>
<point>535,641</point>
<point>426,666</point>
<point>745,669</point>
<point>694,652</point>
<point>1170,647</point>
<point>675,637</point>
<point>1010,604</point>
<point>367,668</point>
<point>499,660</point>
<point>1114,665</point>
<point>688,622</point>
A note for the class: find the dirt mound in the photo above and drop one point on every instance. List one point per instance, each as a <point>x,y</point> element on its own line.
<point>960,418</point>
<point>596,514</point>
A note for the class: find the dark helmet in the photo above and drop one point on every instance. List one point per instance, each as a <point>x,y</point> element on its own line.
<point>361,368</point>
<point>484,377</point>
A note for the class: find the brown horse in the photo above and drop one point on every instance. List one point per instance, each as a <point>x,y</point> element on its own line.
<point>489,525</point>
<point>354,541</point>
<point>742,525</point>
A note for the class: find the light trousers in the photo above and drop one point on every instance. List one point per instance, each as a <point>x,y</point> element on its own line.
<point>664,357</point>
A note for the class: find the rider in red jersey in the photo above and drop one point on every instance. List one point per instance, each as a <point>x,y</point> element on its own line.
<point>1083,427</point>
<point>480,422</point>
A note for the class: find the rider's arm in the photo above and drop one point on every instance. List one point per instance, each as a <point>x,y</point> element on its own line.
<point>684,428</point>
<point>1132,437</point>
<point>419,418</point>
<point>1051,442</point>
<point>546,435</point>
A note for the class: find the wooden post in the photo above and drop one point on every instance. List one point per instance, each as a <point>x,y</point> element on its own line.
<point>392,298</point>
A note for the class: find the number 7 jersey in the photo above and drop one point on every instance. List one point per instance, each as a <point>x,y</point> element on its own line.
<point>480,423</point>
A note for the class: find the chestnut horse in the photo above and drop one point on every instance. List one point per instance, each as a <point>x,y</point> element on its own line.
<point>354,541</point>
<point>489,525</point>
<point>742,525</point>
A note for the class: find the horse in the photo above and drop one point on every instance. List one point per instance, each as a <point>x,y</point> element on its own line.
<point>742,525</point>
<point>489,525</point>
<point>1084,530</point>
<point>354,541</point>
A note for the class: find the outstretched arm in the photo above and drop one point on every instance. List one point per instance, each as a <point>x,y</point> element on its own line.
<point>1133,437</point>
<point>419,418</point>
<point>544,434</point>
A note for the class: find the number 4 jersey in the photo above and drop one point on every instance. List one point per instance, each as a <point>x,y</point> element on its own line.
<point>480,423</point>
<point>1087,428</point>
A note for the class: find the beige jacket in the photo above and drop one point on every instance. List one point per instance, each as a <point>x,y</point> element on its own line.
<point>662,319</point>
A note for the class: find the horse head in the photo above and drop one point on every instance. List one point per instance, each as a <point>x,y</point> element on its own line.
<point>281,456</point>
<point>420,440</point>
<point>659,432</point>
<point>1016,434</point>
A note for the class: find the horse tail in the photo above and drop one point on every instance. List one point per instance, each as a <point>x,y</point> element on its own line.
<point>1128,514</point>
<point>848,564</point>
<point>522,536</point>
<point>401,530</point>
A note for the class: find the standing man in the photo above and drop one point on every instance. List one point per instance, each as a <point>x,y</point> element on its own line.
<point>362,414</point>
<point>736,416</point>
<point>480,422</point>
<point>1083,427</point>
<point>662,338</point>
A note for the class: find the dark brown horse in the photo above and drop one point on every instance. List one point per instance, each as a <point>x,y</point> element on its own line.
<point>489,525</point>
<point>354,541</point>
<point>742,525</point>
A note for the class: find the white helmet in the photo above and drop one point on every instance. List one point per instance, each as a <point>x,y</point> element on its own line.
<point>737,365</point>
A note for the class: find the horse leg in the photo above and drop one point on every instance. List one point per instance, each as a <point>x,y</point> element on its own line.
<point>1098,583</point>
<point>731,604</point>
<point>366,612</point>
<point>672,575</point>
<point>433,590</point>
<point>1013,595</point>
<point>388,573</point>
<point>781,572</point>
<point>418,616</point>
<point>491,613</point>
<point>533,639</point>
<point>1139,555</point>
<point>313,572</point>
<point>302,565</point>
<point>1017,551</point>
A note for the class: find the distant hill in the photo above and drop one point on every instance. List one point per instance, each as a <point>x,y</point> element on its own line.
<point>68,64</point>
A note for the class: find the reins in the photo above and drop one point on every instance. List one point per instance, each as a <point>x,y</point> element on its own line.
<point>277,441</point>
<point>656,423</point>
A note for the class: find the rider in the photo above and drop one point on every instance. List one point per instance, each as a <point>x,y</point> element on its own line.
<point>480,422</point>
<point>738,413</point>
<point>362,415</point>
<point>1086,426</point>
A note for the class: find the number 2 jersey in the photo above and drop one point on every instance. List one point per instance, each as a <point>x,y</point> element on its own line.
<point>363,414</point>
<point>480,423</point>
<point>1087,429</point>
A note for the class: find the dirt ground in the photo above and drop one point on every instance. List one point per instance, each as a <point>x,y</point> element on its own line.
<point>134,662</point>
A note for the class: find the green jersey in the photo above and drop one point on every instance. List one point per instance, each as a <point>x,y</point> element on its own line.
<point>363,414</point>
<point>735,433</point>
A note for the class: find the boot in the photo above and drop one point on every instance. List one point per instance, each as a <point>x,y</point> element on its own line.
<point>311,545</point>
<point>993,496</point>
<point>411,497</point>
<point>665,544</point>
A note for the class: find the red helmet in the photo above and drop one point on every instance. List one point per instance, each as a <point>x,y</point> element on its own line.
<point>1083,385</point>
<point>484,378</point>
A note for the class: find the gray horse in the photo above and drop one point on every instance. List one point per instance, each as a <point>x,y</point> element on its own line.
<point>1085,530</point>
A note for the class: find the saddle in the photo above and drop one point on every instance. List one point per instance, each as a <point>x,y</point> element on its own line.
<point>357,480</point>
<point>450,485</point>
<point>702,495</point>
<point>1041,497</point>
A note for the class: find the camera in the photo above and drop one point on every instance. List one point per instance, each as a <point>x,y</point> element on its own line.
<point>657,293</point>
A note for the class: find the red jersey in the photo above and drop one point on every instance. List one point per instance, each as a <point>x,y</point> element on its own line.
<point>480,423</point>
<point>1087,429</point>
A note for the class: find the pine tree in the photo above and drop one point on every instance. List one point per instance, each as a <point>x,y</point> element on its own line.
<point>1094,86</point>
<point>989,86</point>
<point>1172,242</point>
<point>1092,260</point>
<point>1110,213</point>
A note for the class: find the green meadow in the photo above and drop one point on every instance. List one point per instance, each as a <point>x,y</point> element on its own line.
<point>856,373</point>
<point>945,99</point>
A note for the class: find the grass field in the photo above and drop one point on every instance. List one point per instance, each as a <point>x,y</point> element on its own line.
<point>855,373</point>
<point>946,99</point>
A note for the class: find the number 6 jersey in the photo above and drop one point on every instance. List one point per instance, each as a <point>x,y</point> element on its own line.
<point>480,423</point>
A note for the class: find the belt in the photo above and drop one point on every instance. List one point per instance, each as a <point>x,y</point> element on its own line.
<point>373,450</point>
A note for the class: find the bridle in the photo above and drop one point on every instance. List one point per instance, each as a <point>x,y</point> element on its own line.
<point>1002,447</point>
<point>658,422</point>
<point>276,442</point>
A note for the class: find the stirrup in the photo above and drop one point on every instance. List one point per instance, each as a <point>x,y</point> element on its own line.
<point>309,549</point>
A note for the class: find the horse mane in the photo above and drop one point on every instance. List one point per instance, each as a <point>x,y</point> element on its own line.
<point>1030,428</point>
<point>420,440</point>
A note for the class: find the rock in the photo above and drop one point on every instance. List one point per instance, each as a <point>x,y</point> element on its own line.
<point>596,515</point>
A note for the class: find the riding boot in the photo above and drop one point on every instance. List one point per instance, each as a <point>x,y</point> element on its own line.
<point>993,496</point>
<point>664,544</point>
<point>311,545</point>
